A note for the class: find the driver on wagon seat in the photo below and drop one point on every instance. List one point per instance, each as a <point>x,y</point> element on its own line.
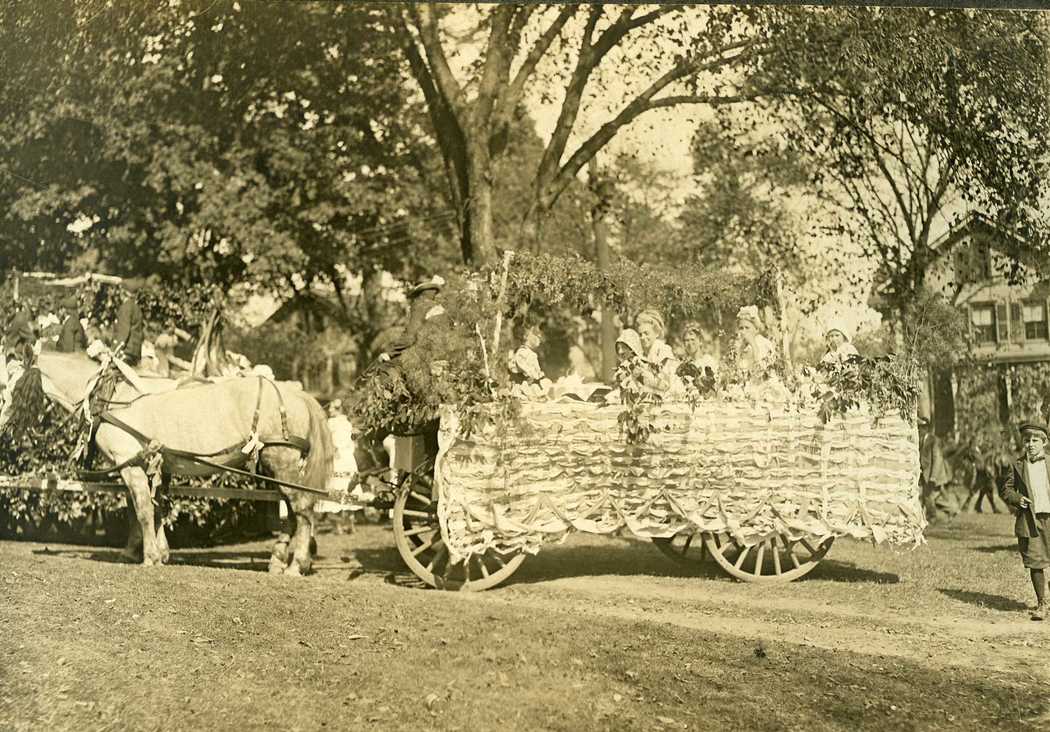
<point>422,308</point>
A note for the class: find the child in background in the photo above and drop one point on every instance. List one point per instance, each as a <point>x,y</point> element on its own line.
<point>1027,490</point>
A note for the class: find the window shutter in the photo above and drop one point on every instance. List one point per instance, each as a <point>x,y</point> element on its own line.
<point>1016,322</point>
<point>1002,322</point>
<point>969,324</point>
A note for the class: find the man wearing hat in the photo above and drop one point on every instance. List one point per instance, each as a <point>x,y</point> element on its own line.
<point>1027,490</point>
<point>72,336</point>
<point>130,329</point>
<point>19,335</point>
<point>422,308</point>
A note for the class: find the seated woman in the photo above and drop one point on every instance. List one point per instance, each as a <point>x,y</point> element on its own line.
<point>698,368</point>
<point>755,352</point>
<point>526,375</point>
<point>840,350</point>
<point>633,370</point>
<point>651,332</point>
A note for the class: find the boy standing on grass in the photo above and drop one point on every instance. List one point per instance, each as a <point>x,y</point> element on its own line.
<point>1027,490</point>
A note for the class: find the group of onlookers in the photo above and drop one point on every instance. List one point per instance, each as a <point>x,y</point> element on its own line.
<point>49,324</point>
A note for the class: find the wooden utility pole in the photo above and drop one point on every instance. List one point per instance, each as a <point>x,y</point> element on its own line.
<point>602,191</point>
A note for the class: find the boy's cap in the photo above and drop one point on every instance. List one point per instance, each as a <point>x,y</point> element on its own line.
<point>1035,427</point>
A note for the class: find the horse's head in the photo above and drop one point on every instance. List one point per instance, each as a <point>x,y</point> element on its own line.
<point>67,375</point>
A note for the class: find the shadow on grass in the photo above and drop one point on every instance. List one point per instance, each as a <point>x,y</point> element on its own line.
<point>996,548</point>
<point>252,561</point>
<point>94,554</point>
<point>257,561</point>
<point>622,559</point>
<point>983,599</point>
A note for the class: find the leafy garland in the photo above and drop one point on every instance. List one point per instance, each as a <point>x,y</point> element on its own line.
<point>454,361</point>
<point>45,447</point>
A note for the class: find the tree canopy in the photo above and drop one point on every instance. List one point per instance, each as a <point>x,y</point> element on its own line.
<point>274,144</point>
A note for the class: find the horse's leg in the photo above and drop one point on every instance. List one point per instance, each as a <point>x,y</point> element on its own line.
<point>138,485</point>
<point>279,553</point>
<point>300,547</point>
<point>389,444</point>
<point>158,521</point>
<point>133,548</point>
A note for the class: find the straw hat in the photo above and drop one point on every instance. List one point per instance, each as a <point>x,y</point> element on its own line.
<point>434,284</point>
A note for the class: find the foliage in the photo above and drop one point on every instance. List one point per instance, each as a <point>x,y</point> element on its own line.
<point>203,143</point>
<point>905,118</point>
<point>886,385</point>
<point>574,54</point>
<point>635,422</point>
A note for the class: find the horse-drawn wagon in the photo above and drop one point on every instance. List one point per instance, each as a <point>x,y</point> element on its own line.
<point>764,491</point>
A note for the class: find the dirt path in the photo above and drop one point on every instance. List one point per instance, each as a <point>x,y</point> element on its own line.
<point>1000,647</point>
<point>907,618</point>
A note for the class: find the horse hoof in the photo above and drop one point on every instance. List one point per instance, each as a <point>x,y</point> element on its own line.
<point>293,570</point>
<point>276,566</point>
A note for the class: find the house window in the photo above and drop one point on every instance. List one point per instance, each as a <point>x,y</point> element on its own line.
<point>1034,314</point>
<point>983,319</point>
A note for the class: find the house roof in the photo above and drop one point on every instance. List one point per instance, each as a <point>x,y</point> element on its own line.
<point>971,223</point>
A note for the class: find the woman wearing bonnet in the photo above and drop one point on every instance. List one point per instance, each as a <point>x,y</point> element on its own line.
<point>839,348</point>
<point>755,352</point>
<point>651,332</point>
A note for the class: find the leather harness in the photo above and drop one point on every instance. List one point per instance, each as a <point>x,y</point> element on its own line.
<point>232,459</point>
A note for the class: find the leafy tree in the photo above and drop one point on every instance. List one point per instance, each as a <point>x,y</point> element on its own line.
<point>197,140</point>
<point>674,54</point>
<point>906,118</point>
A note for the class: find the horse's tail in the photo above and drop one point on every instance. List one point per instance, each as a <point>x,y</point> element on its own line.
<point>320,460</point>
<point>28,406</point>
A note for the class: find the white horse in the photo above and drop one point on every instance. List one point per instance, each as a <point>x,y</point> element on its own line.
<point>217,421</point>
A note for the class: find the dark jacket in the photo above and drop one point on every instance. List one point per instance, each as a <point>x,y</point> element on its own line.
<point>19,334</point>
<point>1011,491</point>
<point>130,330</point>
<point>72,338</point>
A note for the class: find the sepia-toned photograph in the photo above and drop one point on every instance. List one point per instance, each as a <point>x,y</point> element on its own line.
<point>523,366</point>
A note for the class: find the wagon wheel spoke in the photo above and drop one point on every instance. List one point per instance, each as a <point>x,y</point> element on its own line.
<point>766,563</point>
<point>417,536</point>
<point>682,548</point>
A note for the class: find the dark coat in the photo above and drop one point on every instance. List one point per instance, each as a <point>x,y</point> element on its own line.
<point>130,330</point>
<point>1012,490</point>
<point>19,334</point>
<point>72,338</point>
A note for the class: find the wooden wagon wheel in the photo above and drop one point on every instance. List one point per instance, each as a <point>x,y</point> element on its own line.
<point>687,549</point>
<point>417,536</point>
<point>775,559</point>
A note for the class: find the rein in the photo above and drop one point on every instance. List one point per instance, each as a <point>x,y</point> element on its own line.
<point>254,444</point>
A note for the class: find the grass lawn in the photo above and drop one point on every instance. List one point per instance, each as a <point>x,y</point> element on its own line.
<point>597,633</point>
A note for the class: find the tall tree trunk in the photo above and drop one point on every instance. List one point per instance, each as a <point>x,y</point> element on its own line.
<point>601,245</point>
<point>479,245</point>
